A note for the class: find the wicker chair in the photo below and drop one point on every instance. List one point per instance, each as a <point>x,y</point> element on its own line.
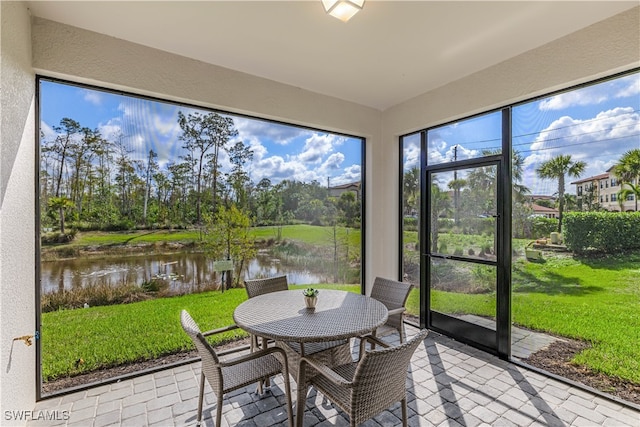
<point>393,295</point>
<point>229,375</point>
<point>255,287</point>
<point>367,387</point>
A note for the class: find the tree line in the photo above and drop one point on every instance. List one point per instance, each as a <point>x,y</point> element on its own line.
<point>466,202</point>
<point>92,182</point>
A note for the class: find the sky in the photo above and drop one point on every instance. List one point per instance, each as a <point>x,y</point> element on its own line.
<point>595,124</point>
<point>279,151</point>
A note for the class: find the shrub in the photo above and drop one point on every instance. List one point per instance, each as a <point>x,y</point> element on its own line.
<point>601,232</point>
<point>57,237</point>
<point>121,225</point>
<point>410,223</point>
<point>477,225</point>
<point>93,296</point>
<point>542,227</point>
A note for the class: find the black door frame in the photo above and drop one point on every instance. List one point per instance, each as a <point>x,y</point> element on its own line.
<point>498,342</point>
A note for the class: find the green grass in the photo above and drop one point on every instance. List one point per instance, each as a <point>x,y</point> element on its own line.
<point>595,300</point>
<point>311,234</point>
<point>119,334</point>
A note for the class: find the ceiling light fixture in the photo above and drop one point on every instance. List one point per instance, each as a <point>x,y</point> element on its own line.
<point>342,9</point>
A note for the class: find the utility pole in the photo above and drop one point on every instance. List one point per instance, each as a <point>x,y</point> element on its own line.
<point>456,187</point>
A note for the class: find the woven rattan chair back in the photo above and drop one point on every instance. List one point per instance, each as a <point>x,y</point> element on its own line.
<point>231,375</point>
<point>210,361</point>
<point>373,384</point>
<point>255,287</point>
<point>393,295</point>
<point>380,379</point>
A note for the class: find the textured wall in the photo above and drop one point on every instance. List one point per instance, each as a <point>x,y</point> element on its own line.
<point>602,49</point>
<point>17,149</point>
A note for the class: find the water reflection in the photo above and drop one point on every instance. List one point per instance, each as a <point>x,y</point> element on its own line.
<point>185,272</point>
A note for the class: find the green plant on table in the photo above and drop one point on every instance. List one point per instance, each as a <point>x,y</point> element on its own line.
<point>310,292</point>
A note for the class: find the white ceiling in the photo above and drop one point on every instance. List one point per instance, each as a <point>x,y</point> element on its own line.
<point>390,52</point>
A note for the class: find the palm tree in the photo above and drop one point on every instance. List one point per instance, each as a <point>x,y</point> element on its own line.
<point>440,204</point>
<point>556,168</point>
<point>628,172</point>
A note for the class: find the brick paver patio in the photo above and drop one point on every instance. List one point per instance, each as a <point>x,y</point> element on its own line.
<point>449,384</point>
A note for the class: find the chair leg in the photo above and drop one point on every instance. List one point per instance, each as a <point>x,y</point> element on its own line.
<point>301,399</point>
<point>254,347</point>
<point>403,337</point>
<point>301,402</point>
<point>267,382</point>
<point>404,412</point>
<point>200,399</point>
<point>219,410</point>
<point>287,388</point>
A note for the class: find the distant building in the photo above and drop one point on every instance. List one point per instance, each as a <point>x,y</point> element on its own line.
<point>337,190</point>
<point>602,191</point>
<point>532,198</point>
<point>544,211</point>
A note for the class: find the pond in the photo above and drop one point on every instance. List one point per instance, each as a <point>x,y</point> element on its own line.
<point>186,272</point>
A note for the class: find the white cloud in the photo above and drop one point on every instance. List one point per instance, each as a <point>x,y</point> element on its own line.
<point>48,132</point>
<point>277,168</point>
<point>631,87</point>
<point>316,147</point>
<point>333,162</point>
<point>598,142</point>
<point>93,97</point>
<point>277,133</point>
<point>593,95</point>
<point>411,154</point>
<point>351,174</point>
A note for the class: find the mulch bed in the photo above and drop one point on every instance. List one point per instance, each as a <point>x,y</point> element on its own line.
<point>556,359</point>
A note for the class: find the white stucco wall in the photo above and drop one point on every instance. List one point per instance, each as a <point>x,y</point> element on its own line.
<point>17,237</point>
<point>79,55</point>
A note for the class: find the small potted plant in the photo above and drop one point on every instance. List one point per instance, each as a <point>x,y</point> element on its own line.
<point>310,297</point>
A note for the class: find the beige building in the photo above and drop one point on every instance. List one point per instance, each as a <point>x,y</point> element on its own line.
<point>337,190</point>
<point>602,191</point>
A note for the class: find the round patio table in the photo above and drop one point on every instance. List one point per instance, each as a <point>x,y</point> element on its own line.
<point>326,329</point>
<point>283,316</point>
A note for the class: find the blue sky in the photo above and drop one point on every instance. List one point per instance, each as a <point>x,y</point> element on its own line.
<point>280,151</point>
<point>594,124</point>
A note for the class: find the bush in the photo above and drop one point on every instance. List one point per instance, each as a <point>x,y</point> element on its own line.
<point>55,237</point>
<point>92,296</point>
<point>410,223</point>
<point>121,225</point>
<point>478,225</point>
<point>601,232</point>
<point>542,226</point>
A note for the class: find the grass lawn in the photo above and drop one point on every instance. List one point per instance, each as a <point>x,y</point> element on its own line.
<point>112,335</point>
<point>595,300</point>
<point>311,234</point>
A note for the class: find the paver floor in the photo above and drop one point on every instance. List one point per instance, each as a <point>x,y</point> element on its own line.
<point>448,384</point>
